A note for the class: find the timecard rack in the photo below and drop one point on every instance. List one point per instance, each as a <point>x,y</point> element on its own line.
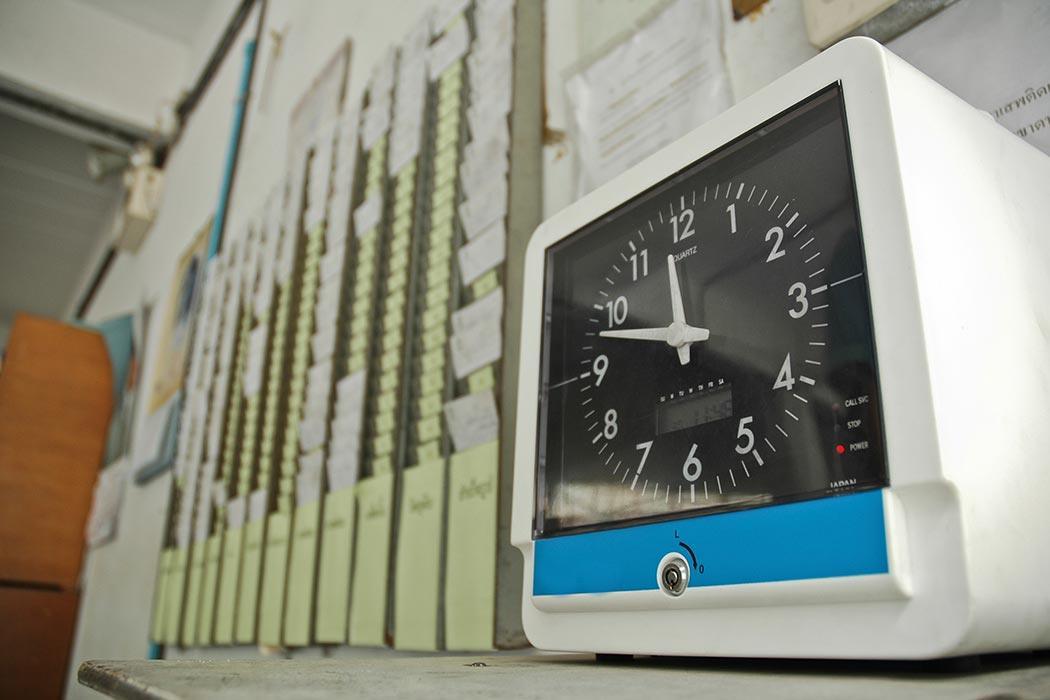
<point>345,451</point>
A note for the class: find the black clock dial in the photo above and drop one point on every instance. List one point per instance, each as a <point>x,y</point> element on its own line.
<point>708,345</point>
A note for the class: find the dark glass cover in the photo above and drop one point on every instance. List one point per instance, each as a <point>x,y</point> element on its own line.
<point>764,389</point>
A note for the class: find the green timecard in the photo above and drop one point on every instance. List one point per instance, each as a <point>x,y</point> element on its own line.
<point>382,464</point>
<point>176,592</point>
<point>358,344</point>
<point>448,137</point>
<point>484,284</point>
<point>212,564</point>
<point>482,379</point>
<point>438,294</point>
<point>396,282</point>
<point>226,604</point>
<point>389,380</point>
<point>160,593</point>
<point>444,188</point>
<point>274,578</point>
<point>470,564</point>
<point>451,82</point>
<point>429,405</point>
<point>429,428</point>
<point>383,444</point>
<point>251,571</point>
<point>403,207</point>
<point>444,178</point>
<point>390,359</point>
<point>393,339</point>
<point>418,563</point>
<point>298,612</point>
<point>333,576</point>
<point>432,382</point>
<point>191,609</point>
<point>428,451</point>
<point>386,421</point>
<point>434,360</point>
<point>368,588</point>
<point>445,159</point>
<point>402,228</point>
<point>440,232</point>
<point>359,325</point>
<point>435,337</point>
<point>439,254</point>
<point>441,214</point>
<point>356,362</point>
<point>435,316</point>
<point>387,401</point>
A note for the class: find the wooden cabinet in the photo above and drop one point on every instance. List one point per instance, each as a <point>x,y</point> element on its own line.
<point>56,398</point>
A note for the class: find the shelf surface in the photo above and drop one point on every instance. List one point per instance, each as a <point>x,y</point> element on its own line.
<point>577,676</point>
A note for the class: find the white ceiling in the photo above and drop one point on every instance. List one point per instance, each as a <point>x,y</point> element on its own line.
<point>180,20</point>
<point>52,219</point>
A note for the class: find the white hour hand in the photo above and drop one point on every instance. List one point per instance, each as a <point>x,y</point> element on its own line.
<point>657,334</point>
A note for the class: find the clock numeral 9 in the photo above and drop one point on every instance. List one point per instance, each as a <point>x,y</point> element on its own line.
<point>610,429</point>
<point>745,432</point>
<point>683,225</point>
<point>643,256</point>
<point>617,311</point>
<point>600,366</point>
<point>797,290</point>
<point>693,467</point>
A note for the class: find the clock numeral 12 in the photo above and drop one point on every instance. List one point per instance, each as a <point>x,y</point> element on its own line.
<point>683,224</point>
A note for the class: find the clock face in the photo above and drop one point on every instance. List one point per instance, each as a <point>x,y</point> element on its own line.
<point>708,346</point>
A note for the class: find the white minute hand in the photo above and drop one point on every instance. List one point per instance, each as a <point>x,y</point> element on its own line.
<point>657,334</point>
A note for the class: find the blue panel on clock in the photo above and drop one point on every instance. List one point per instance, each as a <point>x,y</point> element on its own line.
<point>821,538</point>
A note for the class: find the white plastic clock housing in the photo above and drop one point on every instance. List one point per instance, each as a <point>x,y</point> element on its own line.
<point>954,211</point>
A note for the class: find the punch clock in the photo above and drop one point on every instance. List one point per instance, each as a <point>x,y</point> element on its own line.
<point>784,384</point>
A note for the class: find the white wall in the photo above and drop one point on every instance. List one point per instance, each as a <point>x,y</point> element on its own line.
<point>90,58</point>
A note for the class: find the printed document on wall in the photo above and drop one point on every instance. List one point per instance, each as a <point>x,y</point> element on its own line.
<point>995,56</point>
<point>661,82</point>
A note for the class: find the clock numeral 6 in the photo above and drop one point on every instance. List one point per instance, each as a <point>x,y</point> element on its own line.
<point>798,291</point>
<point>745,432</point>
<point>693,466</point>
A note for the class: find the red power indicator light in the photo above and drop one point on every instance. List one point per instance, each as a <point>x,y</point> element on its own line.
<point>840,449</point>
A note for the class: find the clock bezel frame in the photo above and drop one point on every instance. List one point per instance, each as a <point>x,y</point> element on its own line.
<point>594,226</point>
